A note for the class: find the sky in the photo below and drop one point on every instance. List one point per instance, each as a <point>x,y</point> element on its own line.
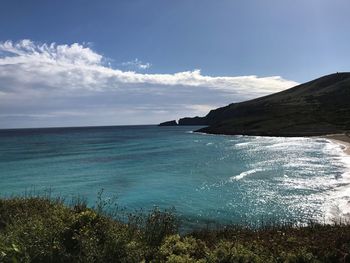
<point>126,62</point>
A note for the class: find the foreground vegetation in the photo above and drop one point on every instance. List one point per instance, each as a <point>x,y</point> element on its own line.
<point>39,229</point>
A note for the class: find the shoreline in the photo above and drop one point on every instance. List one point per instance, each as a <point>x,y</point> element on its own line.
<point>341,139</point>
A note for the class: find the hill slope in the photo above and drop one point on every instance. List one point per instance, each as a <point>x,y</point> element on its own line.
<point>318,107</point>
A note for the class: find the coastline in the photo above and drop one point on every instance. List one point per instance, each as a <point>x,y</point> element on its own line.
<point>342,139</point>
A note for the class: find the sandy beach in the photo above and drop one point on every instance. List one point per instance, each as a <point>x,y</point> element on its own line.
<point>341,139</point>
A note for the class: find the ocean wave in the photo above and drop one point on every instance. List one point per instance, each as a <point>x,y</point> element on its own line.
<point>242,144</point>
<point>244,174</point>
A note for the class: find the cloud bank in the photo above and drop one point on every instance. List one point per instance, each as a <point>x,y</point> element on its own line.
<point>71,85</point>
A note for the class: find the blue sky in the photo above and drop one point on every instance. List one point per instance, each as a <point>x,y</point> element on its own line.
<point>243,49</point>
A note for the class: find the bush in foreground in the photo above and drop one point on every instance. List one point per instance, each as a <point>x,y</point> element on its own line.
<point>39,229</point>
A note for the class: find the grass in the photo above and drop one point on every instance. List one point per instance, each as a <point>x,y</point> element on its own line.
<point>42,229</point>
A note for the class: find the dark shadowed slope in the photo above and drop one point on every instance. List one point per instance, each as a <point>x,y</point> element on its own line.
<point>318,107</point>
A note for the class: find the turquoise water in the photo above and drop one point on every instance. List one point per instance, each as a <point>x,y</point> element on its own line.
<point>207,178</point>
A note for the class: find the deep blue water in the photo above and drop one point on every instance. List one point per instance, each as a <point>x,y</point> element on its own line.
<point>226,179</point>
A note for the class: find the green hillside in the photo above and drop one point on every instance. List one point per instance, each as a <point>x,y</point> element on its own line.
<point>318,107</point>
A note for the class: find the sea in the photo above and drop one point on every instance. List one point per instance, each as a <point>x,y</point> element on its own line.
<point>205,179</point>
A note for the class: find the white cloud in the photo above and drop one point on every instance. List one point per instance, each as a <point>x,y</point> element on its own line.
<point>200,109</point>
<point>136,63</point>
<point>46,79</point>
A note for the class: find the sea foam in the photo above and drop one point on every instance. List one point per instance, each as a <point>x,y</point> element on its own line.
<point>244,174</point>
<point>338,203</point>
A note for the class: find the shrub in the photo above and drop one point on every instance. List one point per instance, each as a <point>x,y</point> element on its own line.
<point>301,256</point>
<point>35,239</point>
<point>187,248</point>
<point>183,259</point>
<point>228,252</point>
<point>11,253</point>
<point>158,225</point>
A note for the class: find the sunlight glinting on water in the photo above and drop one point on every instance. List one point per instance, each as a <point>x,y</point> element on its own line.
<point>224,179</point>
